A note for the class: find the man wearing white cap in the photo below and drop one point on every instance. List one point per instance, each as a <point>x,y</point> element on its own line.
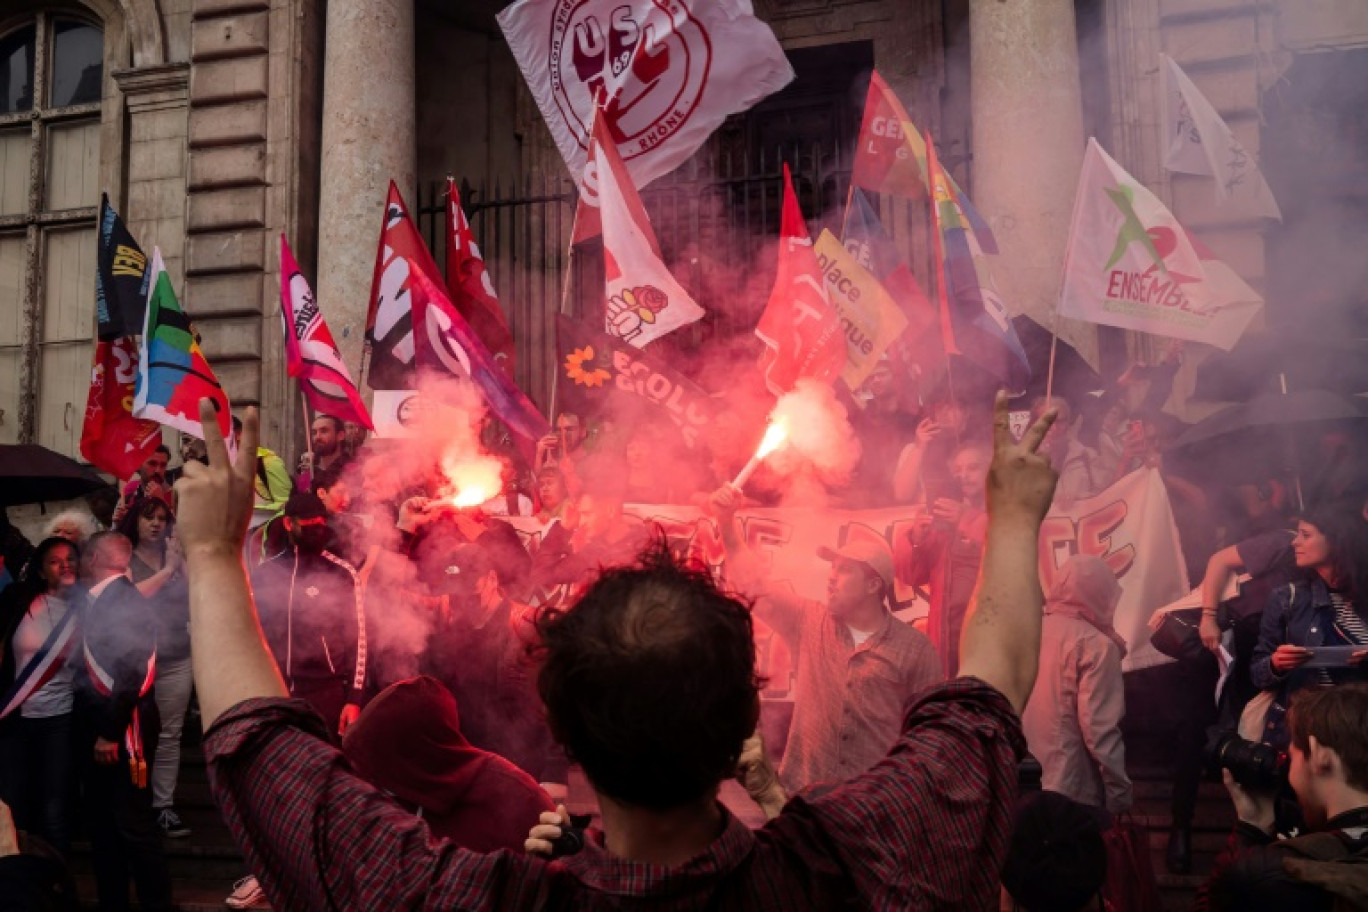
<point>858,667</point>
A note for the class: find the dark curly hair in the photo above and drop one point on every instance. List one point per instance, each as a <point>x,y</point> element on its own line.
<point>1346,532</point>
<point>649,680</point>
<point>143,508</point>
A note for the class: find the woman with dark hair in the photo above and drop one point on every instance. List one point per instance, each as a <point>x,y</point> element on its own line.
<point>159,574</point>
<point>1326,607</point>
<point>38,620</point>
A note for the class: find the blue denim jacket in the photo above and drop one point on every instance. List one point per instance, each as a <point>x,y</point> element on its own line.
<point>1300,614</point>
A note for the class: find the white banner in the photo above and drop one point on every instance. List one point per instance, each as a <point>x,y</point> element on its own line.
<point>1131,264</point>
<point>668,73</point>
<point>1130,526</point>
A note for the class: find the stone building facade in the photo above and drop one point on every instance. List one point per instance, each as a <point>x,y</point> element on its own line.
<point>218,125</point>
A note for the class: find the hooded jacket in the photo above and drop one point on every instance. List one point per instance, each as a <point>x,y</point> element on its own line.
<point>1072,722</point>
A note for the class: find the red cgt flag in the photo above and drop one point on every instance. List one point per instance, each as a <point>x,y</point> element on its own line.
<point>801,332</point>
<point>111,438</point>
<point>469,285</point>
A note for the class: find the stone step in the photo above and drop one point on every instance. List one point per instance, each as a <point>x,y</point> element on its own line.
<point>190,894</point>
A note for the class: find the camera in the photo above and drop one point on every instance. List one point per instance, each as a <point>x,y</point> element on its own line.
<point>1253,765</point>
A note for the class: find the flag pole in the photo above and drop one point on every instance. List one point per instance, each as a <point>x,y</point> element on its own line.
<point>564,299</point>
<point>308,435</point>
<point>1049,374</point>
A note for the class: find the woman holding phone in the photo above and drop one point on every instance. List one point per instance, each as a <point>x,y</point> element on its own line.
<point>1315,630</point>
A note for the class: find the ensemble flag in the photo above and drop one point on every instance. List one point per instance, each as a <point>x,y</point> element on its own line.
<point>311,356</point>
<point>389,324</point>
<point>801,331</point>
<point>1200,142</point>
<point>974,321</point>
<point>1131,264</point>
<point>644,300</point>
<point>445,344</point>
<point>469,286</point>
<point>111,438</point>
<point>871,318</point>
<point>865,238</point>
<point>120,277</point>
<point>597,370</point>
<point>172,374</point>
<point>668,74</point>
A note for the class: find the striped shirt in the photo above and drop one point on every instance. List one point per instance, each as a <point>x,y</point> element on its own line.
<point>1349,628</point>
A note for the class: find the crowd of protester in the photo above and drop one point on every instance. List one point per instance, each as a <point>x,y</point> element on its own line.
<point>596,646</point>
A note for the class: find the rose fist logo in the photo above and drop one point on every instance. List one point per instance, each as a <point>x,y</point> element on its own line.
<point>632,309</point>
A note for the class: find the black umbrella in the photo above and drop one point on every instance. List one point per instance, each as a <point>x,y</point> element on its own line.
<point>1271,410</point>
<point>33,474</point>
<point>1338,364</point>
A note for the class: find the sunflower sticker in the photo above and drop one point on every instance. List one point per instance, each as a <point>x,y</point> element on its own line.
<point>580,367</point>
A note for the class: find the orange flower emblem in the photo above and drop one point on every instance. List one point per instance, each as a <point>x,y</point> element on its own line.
<point>576,370</point>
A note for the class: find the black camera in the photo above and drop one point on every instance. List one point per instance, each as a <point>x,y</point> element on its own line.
<point>1253,765</point>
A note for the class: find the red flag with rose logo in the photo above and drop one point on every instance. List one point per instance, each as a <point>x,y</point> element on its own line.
<point>111,438</point>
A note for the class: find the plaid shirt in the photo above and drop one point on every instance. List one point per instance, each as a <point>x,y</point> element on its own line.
<point>925,828</point>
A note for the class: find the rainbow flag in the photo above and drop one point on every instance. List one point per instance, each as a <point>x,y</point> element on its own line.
<point>172,373</point>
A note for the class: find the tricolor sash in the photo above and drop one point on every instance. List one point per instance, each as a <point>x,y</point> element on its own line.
<point>104,685</point>
<point>46,662</point>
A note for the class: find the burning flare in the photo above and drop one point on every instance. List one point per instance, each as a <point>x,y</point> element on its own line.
<point>472,482</point>
<point>774,438</point>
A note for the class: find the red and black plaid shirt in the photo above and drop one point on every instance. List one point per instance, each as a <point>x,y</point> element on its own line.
<point>925,828</point>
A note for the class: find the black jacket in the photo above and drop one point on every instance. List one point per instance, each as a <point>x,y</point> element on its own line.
<point>120,632</point>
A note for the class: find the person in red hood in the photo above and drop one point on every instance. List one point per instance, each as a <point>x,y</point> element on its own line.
<point>408,743</point>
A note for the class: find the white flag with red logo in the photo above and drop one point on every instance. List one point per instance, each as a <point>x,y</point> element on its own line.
<point>800,329</point>
<point>311,355</point>
<point>669,72</point>
<point>470,287</point>
<point>1131,264</point>
<point>644,300</point>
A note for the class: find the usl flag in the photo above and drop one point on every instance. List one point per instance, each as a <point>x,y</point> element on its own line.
<point>469,285</point>
<point>120,278</point>
<point>172,374</point>
<point>974,321</point>
<point>111,438</point>
<point>597,371</point>
<point>1200,142</point>
<point>871,317</point>
<point>446,344</point>
<point>801,331</point>
<point>668,73</point>
<point>311,356</point>
<point>864,237</point>
<point>389,324</point>
<point>644,300</point>
<point>1130,264</point>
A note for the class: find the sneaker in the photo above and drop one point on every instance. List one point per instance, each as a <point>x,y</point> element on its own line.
<point>247,894</point>
<point>171,824</point>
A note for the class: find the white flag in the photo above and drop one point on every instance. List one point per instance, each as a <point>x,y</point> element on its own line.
<point>1130,264</point>
<point>668,73</point>
<point>1200,142</point>
<point>644,300</point>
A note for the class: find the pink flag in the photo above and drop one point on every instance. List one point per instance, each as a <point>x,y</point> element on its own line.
<point>311,356</point>
<point>469,285</point>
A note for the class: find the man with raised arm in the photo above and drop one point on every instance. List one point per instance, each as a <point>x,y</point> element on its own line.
<point>649,684</point>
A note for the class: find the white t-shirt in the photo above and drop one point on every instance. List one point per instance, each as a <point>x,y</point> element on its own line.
<point>55,697</point>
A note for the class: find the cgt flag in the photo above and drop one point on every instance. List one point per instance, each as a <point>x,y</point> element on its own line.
<point>120,277</point>
<point>974,321</point>
<point>669,74</point>
<point>801,331</point>
<point>644,300</point>
<point>172,374</point>
<point>311,356</point>
<point>389,323</point>
<point>596,369</point>
<point>469,285</point>
<point>445,344</point>
<point>111,438</point>
<point>1200,142</point>
<point>1130,264</point>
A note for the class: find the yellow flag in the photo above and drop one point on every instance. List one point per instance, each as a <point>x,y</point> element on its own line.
<point>870,319</point>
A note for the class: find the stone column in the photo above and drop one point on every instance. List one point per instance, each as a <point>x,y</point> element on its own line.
<point>368,139</point>
<point>1028,149</point>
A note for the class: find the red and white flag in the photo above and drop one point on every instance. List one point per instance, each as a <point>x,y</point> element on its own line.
<point>311,355</point>
<point>111,438</point>
<point>799,327</point>
<point>669,72</point>
<point>389,321</point>
<point>644,300</point>
<point>469,285</point>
